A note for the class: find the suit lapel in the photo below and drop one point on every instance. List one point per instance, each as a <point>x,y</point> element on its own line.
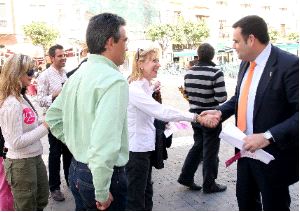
<point>264,81</point>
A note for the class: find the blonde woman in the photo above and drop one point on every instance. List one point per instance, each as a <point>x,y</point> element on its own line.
<point>142,110</point>
<point>25,170</point>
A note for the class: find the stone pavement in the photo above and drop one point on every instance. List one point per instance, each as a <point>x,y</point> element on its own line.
<point>171,196</point>
<point>168,194</point>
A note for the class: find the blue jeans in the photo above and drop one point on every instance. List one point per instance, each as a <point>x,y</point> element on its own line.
<point>81,184</point>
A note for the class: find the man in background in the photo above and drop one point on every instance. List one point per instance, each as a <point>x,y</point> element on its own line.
<point>50,83</point>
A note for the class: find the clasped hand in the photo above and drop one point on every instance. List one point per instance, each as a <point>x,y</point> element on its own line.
<point>209,118</point>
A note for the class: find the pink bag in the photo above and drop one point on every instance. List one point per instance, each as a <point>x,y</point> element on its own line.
<point>6,197</point>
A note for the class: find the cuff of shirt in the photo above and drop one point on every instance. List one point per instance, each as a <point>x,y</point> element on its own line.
<point>102,196</point>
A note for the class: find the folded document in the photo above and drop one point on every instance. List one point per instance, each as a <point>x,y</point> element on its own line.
<point>234,136</point>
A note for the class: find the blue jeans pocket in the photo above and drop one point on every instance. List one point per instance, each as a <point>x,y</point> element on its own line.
<point>86,190</point>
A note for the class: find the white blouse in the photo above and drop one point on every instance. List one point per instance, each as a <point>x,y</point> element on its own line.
<point>20,128</point>
<point>142,110</point>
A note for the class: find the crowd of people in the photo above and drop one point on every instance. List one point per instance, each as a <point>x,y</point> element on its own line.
<point>106,127</point>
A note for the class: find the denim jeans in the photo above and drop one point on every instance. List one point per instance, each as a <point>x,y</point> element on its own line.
<point>57,148</point>
<point>83,190</point>
<point>206,148</point>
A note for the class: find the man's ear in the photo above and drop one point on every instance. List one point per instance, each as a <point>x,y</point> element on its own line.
<point>109,43</point>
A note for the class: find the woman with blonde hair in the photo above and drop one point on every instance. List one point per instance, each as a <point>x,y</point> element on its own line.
<point>142,110</point>
<point>25,170</point>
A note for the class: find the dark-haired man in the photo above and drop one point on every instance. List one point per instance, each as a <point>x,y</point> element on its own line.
<point>266,106</point>
<point>90,117</point>
<point>205,88</point>
<point>50,84</point>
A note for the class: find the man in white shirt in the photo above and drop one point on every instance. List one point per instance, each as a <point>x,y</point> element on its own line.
<point>50,83</point>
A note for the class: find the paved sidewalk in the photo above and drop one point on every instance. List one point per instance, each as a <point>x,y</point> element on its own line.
<point>168,194</point>
<point>171,196</point>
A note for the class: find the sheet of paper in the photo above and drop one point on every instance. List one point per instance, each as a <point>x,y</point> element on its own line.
<point>234,136</point>
<point>174,127</point>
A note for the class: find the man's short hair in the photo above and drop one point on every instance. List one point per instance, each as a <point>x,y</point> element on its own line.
<point>254,25</point>
<point>205,52</point>
<point>100,28</point>
<point>52,49</point>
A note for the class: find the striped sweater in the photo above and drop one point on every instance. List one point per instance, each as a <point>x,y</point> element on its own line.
<point>204,87</point>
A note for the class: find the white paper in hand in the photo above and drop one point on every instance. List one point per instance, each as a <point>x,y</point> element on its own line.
<point>234,136</point>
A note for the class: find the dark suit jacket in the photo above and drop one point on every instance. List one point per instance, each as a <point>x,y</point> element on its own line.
<point>276,108</point>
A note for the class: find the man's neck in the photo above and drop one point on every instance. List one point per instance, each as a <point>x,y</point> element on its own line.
<point>60,69</point>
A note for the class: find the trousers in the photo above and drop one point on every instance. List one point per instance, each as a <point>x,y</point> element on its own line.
<point>57,148</point>
<point>206,148</point>
<point>83,190</point>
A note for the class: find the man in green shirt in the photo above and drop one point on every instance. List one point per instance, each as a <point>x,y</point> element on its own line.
<point>90,117</point>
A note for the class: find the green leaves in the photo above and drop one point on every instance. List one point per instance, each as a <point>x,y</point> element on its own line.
<point>41,34</point>
<point>184,32</point>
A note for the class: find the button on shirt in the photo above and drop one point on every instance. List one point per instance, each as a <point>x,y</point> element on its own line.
<point>49,82</point>
<point>142,109</point>
<point>260,61</point>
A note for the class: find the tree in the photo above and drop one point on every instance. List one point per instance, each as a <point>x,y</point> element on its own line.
<point>293,36</point>
<point>195,33</point>
<point>162,33</point>
<point>274,35</point>
<point>41,34</point>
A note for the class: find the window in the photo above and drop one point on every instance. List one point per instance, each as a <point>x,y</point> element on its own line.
<point>3,23</point>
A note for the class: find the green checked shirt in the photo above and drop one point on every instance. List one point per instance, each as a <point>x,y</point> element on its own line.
<point>90,117</point>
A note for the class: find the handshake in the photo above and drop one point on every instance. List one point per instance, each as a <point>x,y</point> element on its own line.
<point>209,118</point>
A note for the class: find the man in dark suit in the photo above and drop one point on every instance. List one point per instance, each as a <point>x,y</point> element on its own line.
<point>271,117</point>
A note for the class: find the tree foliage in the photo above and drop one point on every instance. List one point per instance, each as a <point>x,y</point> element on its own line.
<point>41,34</point>
<point>162,33</point>
<point>184,32</point>
<point>293,36</point>
<point>274,35</point>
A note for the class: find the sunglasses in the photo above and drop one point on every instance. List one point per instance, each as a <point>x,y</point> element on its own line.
<point>139,51</point>
<point>30,72</point>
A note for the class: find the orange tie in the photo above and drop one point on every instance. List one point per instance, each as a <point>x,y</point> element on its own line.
<point>242,107</point>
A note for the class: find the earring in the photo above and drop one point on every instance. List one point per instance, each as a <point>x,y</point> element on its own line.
<point>142,69</point>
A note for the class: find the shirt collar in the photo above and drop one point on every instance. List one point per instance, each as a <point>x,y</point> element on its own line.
<point>263,57</point>
<point>100,58</point>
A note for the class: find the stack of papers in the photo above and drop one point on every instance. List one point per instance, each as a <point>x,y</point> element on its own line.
<point>234,136</point>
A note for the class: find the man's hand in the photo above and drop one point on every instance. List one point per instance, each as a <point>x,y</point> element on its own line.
<point>210,118</point>
<point>255,142</point>
<point>104,205</point>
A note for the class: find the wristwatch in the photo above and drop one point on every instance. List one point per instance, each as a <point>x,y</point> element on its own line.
<point>267,135</point>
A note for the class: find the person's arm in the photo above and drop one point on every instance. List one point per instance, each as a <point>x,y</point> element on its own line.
<point>288,129</point>
<point>148,105</point>
<point>12,128</point>
<point>54,118</point>
<point>219,87</point>
<point>105,144</point>
<point>43,94</point>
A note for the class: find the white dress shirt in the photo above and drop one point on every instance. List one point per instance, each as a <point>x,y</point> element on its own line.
<point>49,82</point>
<point>260,61</point>
<point>142,110</point>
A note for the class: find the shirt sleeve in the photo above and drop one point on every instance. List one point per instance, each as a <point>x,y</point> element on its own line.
<point>13,128</point>
<point>148,105</point>
<point>43,94</point>
<point>219,87</point>
<point>106,136</point>
<point>54,118</point>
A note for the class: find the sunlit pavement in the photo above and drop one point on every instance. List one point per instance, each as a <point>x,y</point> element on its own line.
<point>168,194</point>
